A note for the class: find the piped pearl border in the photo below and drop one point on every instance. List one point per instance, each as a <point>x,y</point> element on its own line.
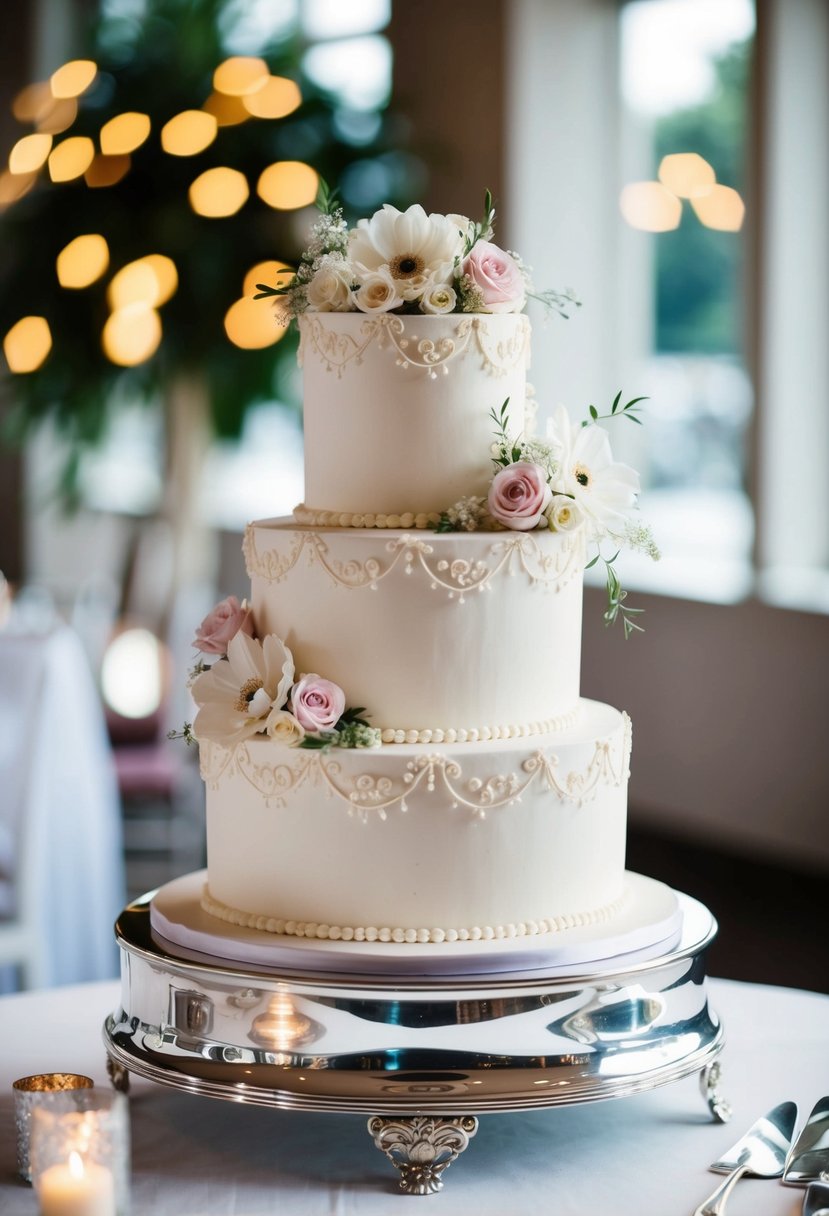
<point>312,518</point>
<point>398,936</point>
<point>482,734</point>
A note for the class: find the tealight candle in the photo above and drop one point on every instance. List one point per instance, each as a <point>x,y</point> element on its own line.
<point>76,1188</point>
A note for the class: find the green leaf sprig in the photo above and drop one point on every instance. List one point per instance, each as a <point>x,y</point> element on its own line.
<point>617,609</point>
<point>477,230</point>
<point>629,410</point>
<point>508,451</point>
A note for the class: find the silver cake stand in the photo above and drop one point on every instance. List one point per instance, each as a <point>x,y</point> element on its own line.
<point>422,1056</point>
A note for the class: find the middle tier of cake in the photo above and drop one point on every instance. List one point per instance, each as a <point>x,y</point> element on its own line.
<point>443,638</point>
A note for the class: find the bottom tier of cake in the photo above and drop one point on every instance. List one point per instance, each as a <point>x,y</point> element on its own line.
<point>420,842</point>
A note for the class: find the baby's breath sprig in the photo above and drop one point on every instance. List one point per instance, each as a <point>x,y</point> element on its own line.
<point>186,733</point>
<point>329,237</point>
<point>630,410</point>
<point>616,596</point>
<point>556,301</point>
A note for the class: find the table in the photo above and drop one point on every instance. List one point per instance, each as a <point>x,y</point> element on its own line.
<point>61,860</point>
<point>639,1156</point>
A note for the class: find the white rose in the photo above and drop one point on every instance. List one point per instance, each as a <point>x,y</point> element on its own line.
<point>438,298</point>
<point>378,292</point>
<point>563,515</point>
<point>283,728</point>
<point>330,288</point>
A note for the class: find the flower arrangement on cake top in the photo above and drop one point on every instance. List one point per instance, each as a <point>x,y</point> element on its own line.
<point>252,689</point>
<point>409,261</point>
<point>568,481</point>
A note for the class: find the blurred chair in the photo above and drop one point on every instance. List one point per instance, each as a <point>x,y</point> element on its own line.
<point>61,859</point>
<point>158,782</point>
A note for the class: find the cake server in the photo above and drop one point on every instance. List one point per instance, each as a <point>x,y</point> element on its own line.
<point>808,1161</point>
<point>761,1152</point>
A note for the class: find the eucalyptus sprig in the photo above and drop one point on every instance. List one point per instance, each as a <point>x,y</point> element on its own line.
<point>629,410</point>
<point>616,596</point>
<point>481,229</point>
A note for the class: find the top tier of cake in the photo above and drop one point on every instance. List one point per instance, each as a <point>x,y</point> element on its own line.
<point>397,408</point>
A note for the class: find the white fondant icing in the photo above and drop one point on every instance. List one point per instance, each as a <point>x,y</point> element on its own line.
<point>385,430</point>
<point>496,833</point>
<point>462,633</point>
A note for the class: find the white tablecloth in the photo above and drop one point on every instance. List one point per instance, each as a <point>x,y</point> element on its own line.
<point>640,1156</point>
<point>58,791</point>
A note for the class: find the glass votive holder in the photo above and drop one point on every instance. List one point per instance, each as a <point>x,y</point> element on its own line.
<point>80,1155</point>
<point>30,1092</point>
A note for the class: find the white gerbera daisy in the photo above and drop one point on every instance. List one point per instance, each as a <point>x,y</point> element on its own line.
<point>417,249</point>
<point>237,697</point>
<point>603,489</point>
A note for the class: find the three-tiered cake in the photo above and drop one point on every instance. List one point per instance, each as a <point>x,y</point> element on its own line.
<point>470,794</point>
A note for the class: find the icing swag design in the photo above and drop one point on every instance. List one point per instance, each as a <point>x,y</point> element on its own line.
<point>367,794</point>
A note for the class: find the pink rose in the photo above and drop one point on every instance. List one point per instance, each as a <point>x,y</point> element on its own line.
<point>519,496</point>
<point>497,277</point>
<point>223,623</point>
<point>317,704</point>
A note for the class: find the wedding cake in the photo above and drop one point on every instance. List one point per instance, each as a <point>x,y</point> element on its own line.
<point>392,738</point>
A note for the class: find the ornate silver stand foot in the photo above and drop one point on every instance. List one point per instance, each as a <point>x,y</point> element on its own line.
<point>422,1147</point>
<point>709,1082</point>
<point>118,1075</point>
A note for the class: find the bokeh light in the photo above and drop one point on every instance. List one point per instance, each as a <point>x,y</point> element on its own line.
<point>132,674</point>
<point>686,174</point>
<point>13,186</point>
<point>59,117</point>
<point>27,344</point>
<point>239,75</point>
<point>71,158</point>
<point>650,207</point>
<point>29,153</point>
<point>219,192</point>
<point>33,102</point>
<point>721,208</point>
<point>288,184</point>
<point>82,261</point>
<point>107,170</point>
<point>272,273</point>
<point>149,280</point>
<point>228,111</point>
<point>132,334</point>
<point>189,133</point>
<point>276,98</point>
<point>73,78</point>
<point>124,133</point>
<point>252,324</point>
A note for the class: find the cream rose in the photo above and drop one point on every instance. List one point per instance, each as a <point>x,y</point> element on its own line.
<point>284,728</point>
<point>519,496</point>
<point>317,704</point>
<point>378,292</point>
<point>330,288</point>
<point>497,277</point>
<point>226,620</point>
<point>438,298</point>
<point>563,515</point>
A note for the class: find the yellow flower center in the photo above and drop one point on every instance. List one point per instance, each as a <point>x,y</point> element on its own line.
<point>247,692</point>
<point>406,266</point>
<point>583,475</point>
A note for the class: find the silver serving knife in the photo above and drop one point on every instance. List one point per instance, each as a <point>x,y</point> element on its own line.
<point>761,1152</point>
<point>810,1156</point>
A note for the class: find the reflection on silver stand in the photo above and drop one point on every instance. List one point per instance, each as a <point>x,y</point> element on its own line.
<point>423,1056</point>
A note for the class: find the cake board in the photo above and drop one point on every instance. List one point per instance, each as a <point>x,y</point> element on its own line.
<point>422,1055</point>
